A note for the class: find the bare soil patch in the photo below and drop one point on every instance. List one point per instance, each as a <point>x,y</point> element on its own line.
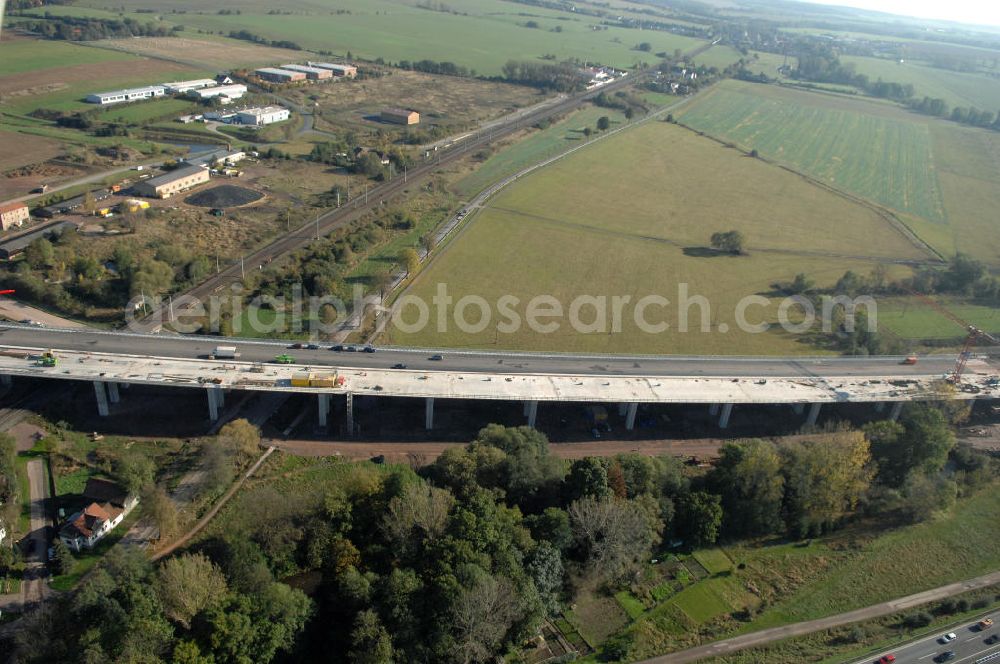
<point>205,53</point>
<point>224,196</point>
<point>22,150</point>
<point>102,74</point>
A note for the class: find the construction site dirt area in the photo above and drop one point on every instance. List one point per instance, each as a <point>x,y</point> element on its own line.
<point>224,196</point>
<point>210,54</point>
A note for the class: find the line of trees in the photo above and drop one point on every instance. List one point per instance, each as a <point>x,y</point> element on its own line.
<point>561,77</point>
<point>73,28</point>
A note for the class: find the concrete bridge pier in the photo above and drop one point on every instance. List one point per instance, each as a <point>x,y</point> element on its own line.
<point>813,414</point>
<point>102,398</point>
<point>214,403</point>
<point>897,408</point>
<point>727,410</point>
<point>532,412</point>
<point>324,408</point>
<point>429,413</point>
<point>799,408</point>
<point>622,409</point>
<point>6,380</point>
<point>113,395</point>
<point>630,413</point>
<point>349,413</point>
<point>880,406</point>
<point>713,409</point>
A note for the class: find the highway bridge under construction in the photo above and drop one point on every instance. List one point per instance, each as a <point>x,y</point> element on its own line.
<point>112,360</point>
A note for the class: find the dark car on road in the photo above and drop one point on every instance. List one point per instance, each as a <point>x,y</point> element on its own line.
<point>312,347</point>
<point>351,349</point>
<point>295,346</point>
<point>369,349</point>
<point>399,365</point>
<point>437,358</point>
<point>338,347</point>
<point>946,656</point>
<point>992,639</point>
<point>886,659</point>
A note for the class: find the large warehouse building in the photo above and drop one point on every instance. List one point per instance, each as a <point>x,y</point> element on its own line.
<point>312,73</point>
<point>349,71</point>
<point>176,181</point>
<point>279,75</point>
<point>234,91</point>
<point>180,87</point>
<point>259,117</point>
<point>131,94</point>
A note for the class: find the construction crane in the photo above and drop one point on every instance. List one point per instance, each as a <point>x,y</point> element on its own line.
<point>973,334</point>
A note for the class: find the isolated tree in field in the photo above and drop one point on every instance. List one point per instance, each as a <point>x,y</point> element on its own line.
<point>801,284</point>
<point>629,113</point>
<point>603,123</point>
<point>189,584</point>
<point>89,204</point>
<point>411,259</point>
<point>162,509</point>
<point>731,241</point>
<point>63,560</point>
<point>587,132</point>
<point>242,438</point>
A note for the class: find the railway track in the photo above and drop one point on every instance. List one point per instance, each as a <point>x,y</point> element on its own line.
<point>330,221</point>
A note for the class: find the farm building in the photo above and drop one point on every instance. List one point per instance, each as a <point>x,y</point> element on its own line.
<point>107,505</point>
<point>279,75</point>
<point>17,245</point>
<point>234,91</point>
<point>349,71</point>
<point>181,87</point>
<point>122,96</point>
<point>223,155</point>
<point>13,214</point>
<point>71,204</point>
<point>176,181</point>
<point>262,116</point>
<point>312,73</point>
<point>400,116</point>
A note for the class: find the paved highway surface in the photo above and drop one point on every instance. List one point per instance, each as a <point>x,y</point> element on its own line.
<point>969,647</point>
<point>190,347</point>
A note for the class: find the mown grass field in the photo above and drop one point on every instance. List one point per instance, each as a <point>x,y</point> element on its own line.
<point>632,216</point>
<point>20,55</point>
<point>912,319</point>
<point>145,111</point>
<point>481,35</point>
<point>873,152</point>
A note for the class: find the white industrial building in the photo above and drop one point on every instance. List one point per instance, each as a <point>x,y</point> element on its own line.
<point>131,94</point>
<point>234,91</point>
<point>180,87</point>
<point>350,71</point>
<point>262,116</point>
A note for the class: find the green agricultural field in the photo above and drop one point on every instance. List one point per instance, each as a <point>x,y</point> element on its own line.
<point>632,216</point>
<point>26,55</point>
<point>483,36</point>
<point>861,148</point>
<point>535,148</point>
<point>146,111</point>
<point>910,318</point>
<point>956,88</point>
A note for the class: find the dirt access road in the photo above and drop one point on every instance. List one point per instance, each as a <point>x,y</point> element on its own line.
<point>35,586</point>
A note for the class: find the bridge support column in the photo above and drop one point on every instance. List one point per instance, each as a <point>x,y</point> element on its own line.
<point>713,409</point>
<point>880,406</point>
<point>349,414</point>
<point>324,408</point>
<point>213,404</point>
<point>897,408</point>
<point>429,413</point>
<point>102,398</point>
<point>813,414</point>
<point>622,409</point>
<point>632,409</point>
<point>532,408</point>
<point>6,380</point>
<point>727,410</point>
<point>799,408</point>
<point>113,395</point>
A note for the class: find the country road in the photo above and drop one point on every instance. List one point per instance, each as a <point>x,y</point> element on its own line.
<point>35,585</point>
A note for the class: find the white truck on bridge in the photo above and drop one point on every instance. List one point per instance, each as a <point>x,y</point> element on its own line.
<point>225,353</point>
